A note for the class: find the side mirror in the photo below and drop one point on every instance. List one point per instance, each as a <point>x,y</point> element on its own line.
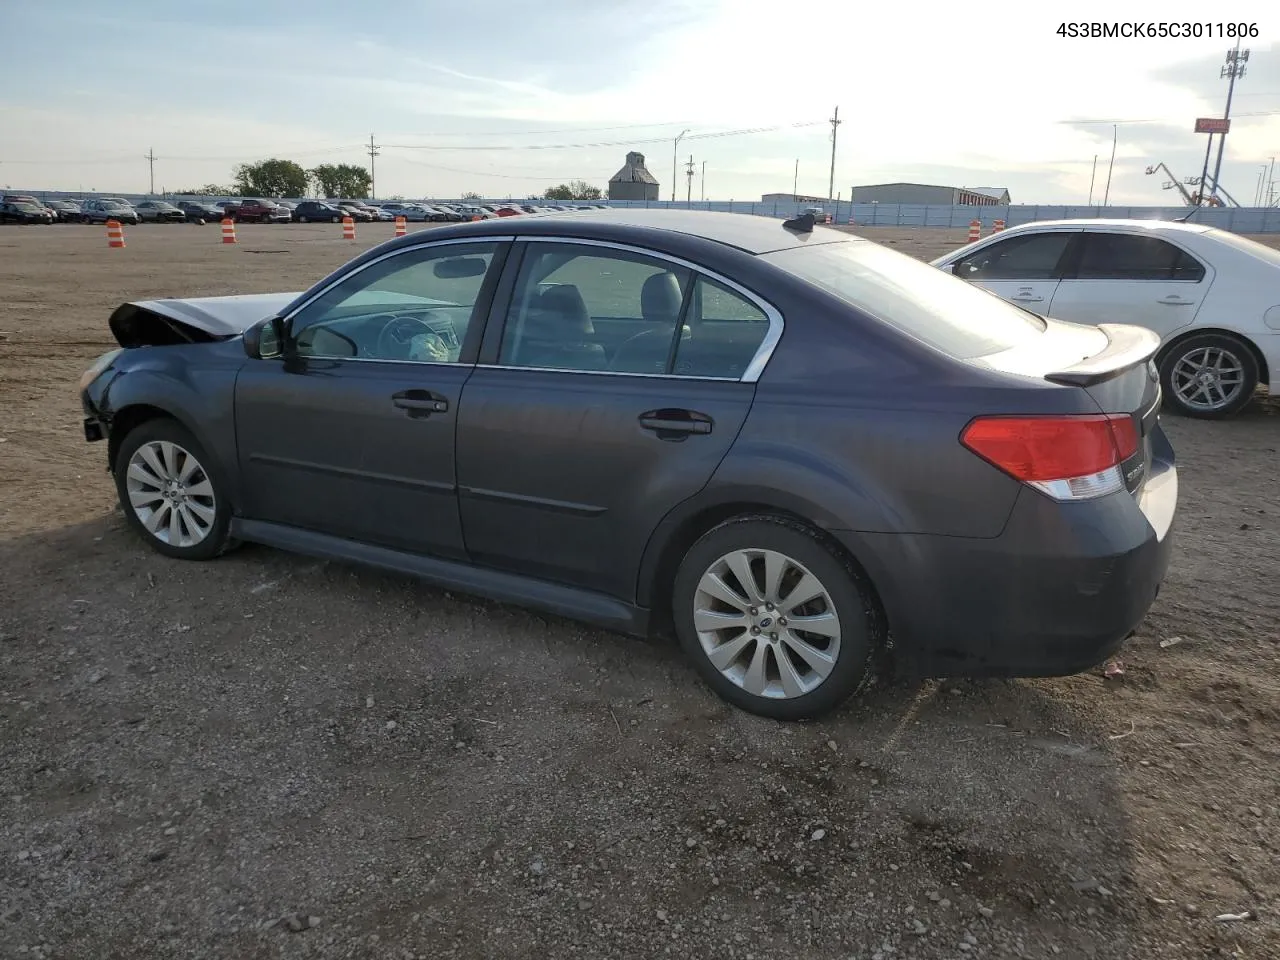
<point>265,339</point>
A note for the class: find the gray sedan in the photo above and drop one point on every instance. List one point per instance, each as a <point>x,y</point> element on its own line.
<point>813,459</point>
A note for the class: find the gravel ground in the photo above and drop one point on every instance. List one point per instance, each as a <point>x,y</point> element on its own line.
<point>266,756</point>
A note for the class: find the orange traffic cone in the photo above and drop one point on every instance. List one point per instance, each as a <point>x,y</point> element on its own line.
<point>402,226</point>
<point>115,234</point>
<point>348,228</point>
<point>228,230</point>
<point>997,226</point>
<point>975,230</point>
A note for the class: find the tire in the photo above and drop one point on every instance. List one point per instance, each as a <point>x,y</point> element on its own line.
<point>1227,364</point>
<point>799,553</point>
<point>335,219</point>
<point>302,219</point>
<point>152,452</point>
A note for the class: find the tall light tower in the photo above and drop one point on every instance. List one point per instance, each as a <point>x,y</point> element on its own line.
<point>835,121</point>
<point>1235,67</point>
<point>675,149</point>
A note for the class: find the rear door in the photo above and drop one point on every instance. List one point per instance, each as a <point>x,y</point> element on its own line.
<point>1130,277</point>
<point>1024,268</point>
<point>612,382</point>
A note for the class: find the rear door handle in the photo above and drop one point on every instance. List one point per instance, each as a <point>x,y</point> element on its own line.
<point>675,424</point>
<point>1026,298</point>
<point>1176,301</point>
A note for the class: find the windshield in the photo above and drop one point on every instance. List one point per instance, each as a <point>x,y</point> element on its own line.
<point>923,301</point>
<point>113,206</point>
<point>26,207</point>
<point>1245,245</point>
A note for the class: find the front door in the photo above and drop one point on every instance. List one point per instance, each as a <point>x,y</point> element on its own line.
<point>1132,278</point>
<point>351,432</point>
<point>1022,268</point>
<point>611,396</point>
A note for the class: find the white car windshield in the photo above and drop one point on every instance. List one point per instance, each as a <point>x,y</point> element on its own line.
<point>950,315</point>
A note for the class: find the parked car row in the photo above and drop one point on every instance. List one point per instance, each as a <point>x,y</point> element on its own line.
<point>20,208</point>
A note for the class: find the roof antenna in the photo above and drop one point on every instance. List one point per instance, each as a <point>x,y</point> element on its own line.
<point>801,224</point>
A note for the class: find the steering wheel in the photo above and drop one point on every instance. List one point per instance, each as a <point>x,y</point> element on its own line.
<point>395,339</point>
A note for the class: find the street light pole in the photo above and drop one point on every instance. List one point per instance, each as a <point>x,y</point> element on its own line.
<point>702,182</point>
<point>675,150</point>
<point>795,182</point>
<point>1115,135</point>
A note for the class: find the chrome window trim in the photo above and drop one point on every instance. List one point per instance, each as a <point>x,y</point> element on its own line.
<point>400,251</point>
<point>758,361</point>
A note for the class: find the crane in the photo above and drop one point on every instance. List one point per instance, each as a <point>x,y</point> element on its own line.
<point>1172,183</point>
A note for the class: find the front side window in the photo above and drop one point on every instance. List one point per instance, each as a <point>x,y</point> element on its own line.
<point>1128,256</point>
<point>1031,257</point>
<point>417,306</point>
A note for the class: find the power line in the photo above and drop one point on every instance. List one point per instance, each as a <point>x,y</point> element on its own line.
<point>602,143</point>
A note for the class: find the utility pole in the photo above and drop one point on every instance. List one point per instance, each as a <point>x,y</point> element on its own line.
<point>373,178</point>
<point>1115,135</point>
<point>688,197</point>
<point>1204,173</point>
<point>1092,177</point>
<point>795,181</point>
<point>702,189</point>
<point>835,121</point>
<point>1235,67</point>
<point>150,157</point>
<point>1271,181</point>
<point>675,149</point>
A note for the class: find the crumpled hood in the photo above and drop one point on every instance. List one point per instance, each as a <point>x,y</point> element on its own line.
<point>192,320</point>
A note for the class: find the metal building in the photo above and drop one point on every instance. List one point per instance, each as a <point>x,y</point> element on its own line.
<point>634,181</point>
<point>929,194</point>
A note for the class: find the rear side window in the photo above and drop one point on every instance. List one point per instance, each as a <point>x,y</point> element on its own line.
<point>1031,257</point>
<point>1127,256</point>
<point>950,315</point>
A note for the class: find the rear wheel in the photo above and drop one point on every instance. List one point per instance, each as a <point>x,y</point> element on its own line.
<point>774,620</point>
<point>170,492</point>
<point>1209,376</point>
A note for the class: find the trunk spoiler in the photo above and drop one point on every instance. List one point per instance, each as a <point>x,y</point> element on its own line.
<point>1127,347</point>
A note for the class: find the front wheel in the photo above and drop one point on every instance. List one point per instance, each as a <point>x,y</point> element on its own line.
<point>775,621</point>
<point>170,492</point>
<point>1209,376</point>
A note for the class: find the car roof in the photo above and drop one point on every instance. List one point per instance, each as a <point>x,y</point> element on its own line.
<point>1114,222</point>
<point>747,232</point>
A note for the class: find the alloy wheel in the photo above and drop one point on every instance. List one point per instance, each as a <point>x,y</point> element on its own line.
<point>1207,378</point>
<point>171,494</point>
<point>767,623</point>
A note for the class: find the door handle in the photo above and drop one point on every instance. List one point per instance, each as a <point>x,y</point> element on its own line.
<point>420,402</point>
<point>1176,301</point>
<point>1026,298</point>
<point>675,424</point>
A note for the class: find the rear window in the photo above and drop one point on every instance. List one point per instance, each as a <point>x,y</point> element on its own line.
<point>949,314</point>
<point>1245,245</point>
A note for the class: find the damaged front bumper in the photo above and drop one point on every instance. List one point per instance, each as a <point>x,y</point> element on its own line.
<point>93,389</point>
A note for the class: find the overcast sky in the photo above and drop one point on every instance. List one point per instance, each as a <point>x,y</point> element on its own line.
<point>507,97</point>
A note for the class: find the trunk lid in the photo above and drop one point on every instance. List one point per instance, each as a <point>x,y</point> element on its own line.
<point>1111,363</point>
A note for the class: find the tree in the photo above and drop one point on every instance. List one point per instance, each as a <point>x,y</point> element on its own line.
<point>345,180</point>
<point>471,195</point>
<point>208,190</point>
<point>576,190</point>
<point>271,178</point>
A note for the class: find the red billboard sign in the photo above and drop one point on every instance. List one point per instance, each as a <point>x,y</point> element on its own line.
<point>1213,125</point>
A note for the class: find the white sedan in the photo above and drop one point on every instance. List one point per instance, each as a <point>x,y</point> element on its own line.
<point>1213,296</point>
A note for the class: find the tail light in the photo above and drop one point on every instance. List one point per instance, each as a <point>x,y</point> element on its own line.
<point>1065,457</point>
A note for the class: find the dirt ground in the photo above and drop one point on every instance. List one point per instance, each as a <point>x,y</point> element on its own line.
<point>266,756</point>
